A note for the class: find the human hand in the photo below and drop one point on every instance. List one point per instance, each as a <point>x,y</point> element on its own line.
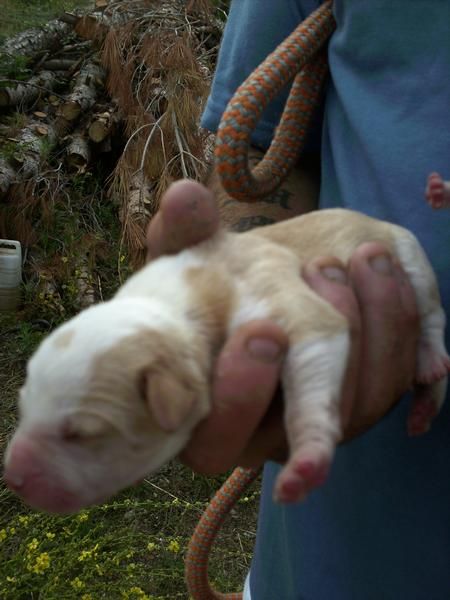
<point>245,424</point>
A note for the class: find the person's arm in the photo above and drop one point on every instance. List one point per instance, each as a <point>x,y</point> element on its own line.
<point>245,425</point>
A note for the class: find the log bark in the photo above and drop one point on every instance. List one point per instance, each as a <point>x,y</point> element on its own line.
<point>139,197</point>
<point>32,144</point>
<point>27,92</point>
<point>85,289</point>
<point>7,176</point>
<point>84,93</point>
<point>96,25</point>
<point>33,41</point>
<point>78,153</point>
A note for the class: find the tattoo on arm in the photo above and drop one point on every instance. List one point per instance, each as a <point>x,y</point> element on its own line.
<point>252,221</point>
<point>281,197</point>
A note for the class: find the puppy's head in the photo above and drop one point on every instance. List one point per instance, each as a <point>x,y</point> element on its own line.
<point>109,397</point>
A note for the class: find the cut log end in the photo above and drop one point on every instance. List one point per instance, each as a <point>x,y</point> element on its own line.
<point>70,110</point>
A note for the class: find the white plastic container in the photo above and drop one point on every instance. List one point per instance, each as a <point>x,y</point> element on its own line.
<point>10,274</point>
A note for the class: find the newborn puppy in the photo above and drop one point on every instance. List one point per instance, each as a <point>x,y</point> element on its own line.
<point>117,391</point>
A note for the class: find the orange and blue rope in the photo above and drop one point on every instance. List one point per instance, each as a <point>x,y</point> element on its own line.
<point>301,58</point>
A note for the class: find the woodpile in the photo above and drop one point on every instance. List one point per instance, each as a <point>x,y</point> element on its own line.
<point>122,86</point>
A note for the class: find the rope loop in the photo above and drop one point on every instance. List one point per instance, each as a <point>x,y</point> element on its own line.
<point>302,58</point>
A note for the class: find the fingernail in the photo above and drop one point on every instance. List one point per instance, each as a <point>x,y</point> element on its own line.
<point>381,264</point>
<point>334,273</point>
<point>264,350</point>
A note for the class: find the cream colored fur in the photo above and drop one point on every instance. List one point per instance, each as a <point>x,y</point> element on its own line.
<point>117,391</point>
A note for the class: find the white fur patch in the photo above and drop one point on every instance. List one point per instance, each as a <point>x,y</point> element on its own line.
<point>248,309</point>
<point>58,376</point>
<point>312,380</point>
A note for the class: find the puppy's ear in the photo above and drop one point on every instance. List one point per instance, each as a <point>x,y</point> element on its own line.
<point>169,399</point>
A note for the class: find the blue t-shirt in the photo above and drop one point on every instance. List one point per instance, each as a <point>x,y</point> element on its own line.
<point>379,529</point>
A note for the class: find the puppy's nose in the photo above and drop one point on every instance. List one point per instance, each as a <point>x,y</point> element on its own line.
<point>14,481</point>
<point>21,464</point>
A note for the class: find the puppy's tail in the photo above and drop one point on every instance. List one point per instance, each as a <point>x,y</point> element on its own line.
<point>196,563</point>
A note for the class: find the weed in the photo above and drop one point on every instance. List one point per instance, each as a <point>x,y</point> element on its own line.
<point>13,67</point>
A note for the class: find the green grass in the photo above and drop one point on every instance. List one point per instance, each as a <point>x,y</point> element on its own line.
<point>18,15</point>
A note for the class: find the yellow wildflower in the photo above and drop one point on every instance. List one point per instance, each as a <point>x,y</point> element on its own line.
<point>77,584</point>
<point>41,564</point>
<point>49,535</point>
<point>88,553</point>
<point>173,546</point>
<point>82,516</point>
<point>12,530</point>
<point>11,579</point>
<point>86,597</point>
<point>151,546</point>
<point>32,546</point>
<point>24,520</point>
<point>3,535</point>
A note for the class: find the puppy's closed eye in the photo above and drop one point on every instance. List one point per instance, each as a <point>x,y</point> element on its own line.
<point>84,426</point>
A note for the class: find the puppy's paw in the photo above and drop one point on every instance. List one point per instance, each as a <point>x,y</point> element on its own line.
<point>426,404</point>
<point>305,470</point>
<point>436,192</point>
<point>433,363</point>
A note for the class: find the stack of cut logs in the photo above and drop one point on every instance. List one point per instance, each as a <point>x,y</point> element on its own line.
<point>124,84</point>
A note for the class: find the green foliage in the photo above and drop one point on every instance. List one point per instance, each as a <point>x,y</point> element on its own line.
<point>13,67</point>
<point>132,547</point>
<point>18,15</point>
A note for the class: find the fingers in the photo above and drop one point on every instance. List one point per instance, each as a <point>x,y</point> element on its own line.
<point>246,377</point>
<point>379,303</point>
<point>188,215</point>
<point>390,328</point>
<point>328,277</point>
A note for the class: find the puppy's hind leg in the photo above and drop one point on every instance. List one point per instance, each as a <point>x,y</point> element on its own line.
<point>312,380</point>
<point>432,362</point>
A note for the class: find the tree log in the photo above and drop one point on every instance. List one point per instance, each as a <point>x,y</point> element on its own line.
<point>83,282</point>
<point>32,146</point>
<point>139,198</point>
<point>27,92</point>
<point>33,41</point>
<point>84,93</point>
<point>33,143</point>
<point>103,125</point>
<point>78,153</point>
<point>7,176</point>
<point>59,64</point>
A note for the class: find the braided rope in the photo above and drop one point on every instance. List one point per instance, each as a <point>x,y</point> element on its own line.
<point>196,562</point>
<point>300,56</point>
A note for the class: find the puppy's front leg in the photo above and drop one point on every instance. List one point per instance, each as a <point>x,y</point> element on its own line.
<point>312,380</point>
